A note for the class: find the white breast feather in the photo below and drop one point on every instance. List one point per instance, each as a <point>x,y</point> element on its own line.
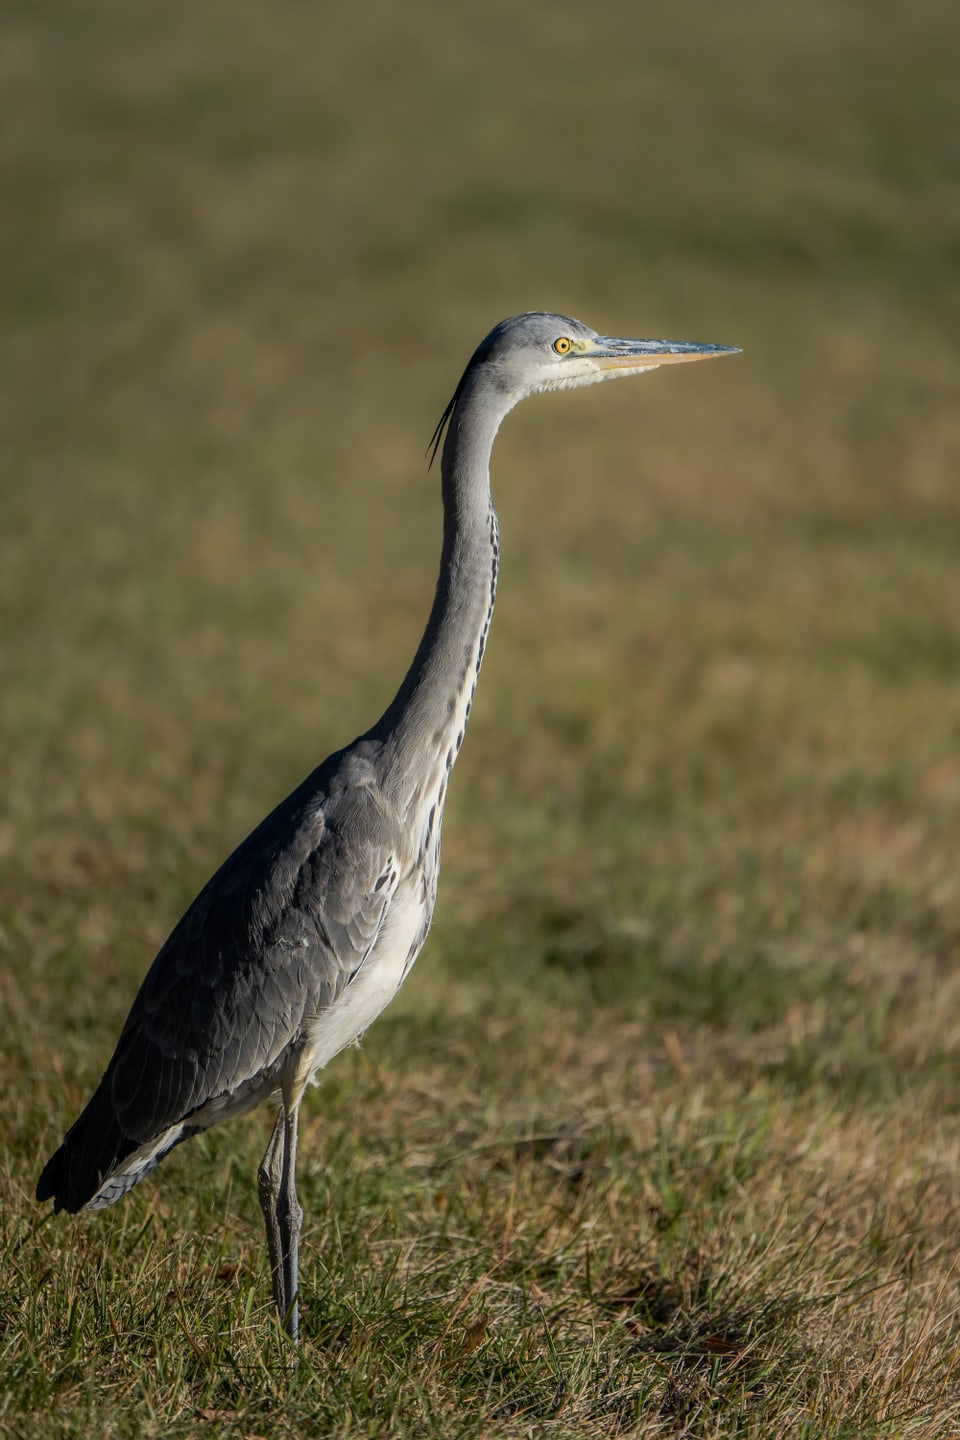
<point>370,991</point>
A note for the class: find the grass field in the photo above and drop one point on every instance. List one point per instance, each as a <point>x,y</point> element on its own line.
<point>661,1138</point>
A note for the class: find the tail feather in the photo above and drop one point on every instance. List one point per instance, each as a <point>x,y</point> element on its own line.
<point>93,1149</point>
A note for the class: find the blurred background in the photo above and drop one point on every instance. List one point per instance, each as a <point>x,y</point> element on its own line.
<point>245,255</point>
<point>698,923</point>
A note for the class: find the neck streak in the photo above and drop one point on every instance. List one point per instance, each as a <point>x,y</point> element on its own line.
<point>423,728</point>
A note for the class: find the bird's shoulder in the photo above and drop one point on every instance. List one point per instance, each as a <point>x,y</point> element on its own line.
<point>310,876</point>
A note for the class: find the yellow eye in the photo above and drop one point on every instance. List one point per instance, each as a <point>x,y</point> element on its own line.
<point>562,345</point>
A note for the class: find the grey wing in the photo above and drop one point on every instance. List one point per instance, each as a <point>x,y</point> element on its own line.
<point>271,941</point>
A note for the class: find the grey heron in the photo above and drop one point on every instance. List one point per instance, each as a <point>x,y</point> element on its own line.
<point>310,927</point>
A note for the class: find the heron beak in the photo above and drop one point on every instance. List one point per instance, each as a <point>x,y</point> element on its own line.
<point>615,354</point>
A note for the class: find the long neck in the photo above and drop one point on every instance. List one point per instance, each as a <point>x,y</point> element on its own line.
<point>423,728</point>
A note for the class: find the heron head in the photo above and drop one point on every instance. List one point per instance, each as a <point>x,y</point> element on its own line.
<point>527,354</point>
<point>535,352</point>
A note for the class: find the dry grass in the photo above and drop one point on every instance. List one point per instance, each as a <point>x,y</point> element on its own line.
<point>661,1137</point>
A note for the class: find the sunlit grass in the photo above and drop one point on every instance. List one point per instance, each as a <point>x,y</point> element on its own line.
<point>660,1137</point>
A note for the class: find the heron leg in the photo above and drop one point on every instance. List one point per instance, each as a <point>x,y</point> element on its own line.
<point>282,1215</point>
<point>290,1217</point>
<point>269,1177</point>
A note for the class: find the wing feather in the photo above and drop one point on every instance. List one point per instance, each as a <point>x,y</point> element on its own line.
<point>271,941</point>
